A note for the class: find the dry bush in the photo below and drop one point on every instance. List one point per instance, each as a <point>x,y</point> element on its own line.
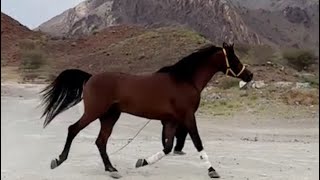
<point>299,58</point>
<point>27,44</point>
<point>261,54</point>
<point>228,82</point>
<point>33,59</point>
<point>301,97</point>
<point>257,54</point>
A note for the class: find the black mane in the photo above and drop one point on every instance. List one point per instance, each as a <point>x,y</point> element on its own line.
<point>184,69</point>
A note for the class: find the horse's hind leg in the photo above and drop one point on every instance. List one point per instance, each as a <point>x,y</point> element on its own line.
<point>73,130</point>
<point>194,134</point>
<point>181,135</point>
<point>169,131</point>
<point>107,121</point>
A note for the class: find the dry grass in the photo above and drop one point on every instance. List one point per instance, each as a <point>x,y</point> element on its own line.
<point>302,97</point>
<point>259,102</point>
<point>149,51</point>
<point>10,74</point>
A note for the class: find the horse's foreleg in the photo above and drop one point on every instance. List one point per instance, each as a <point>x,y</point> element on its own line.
<point>107,122</point>
<point>169,131</point>
<point>73,130</point>
<point>194,134</point>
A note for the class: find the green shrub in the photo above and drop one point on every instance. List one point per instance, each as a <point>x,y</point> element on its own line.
<point>299,58</point>
<point>27,44</point>
<point>32,59</point>
<point>228,82</point>
<point>33,62</point>
<point>312,80</point>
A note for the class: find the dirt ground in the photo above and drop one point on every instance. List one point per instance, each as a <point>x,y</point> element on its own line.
<point>240,147</point>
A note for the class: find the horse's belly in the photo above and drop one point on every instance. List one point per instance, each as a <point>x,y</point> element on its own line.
<point>151,111</point>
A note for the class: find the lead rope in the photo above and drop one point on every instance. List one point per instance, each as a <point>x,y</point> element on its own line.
<point>131,139</point>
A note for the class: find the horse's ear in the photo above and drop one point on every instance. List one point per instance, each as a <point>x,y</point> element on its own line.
<point>224,45</point>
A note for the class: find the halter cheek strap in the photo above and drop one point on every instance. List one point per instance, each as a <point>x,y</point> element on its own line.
<point>229,68</point>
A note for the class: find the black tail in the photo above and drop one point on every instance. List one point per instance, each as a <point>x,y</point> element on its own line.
<point>63,93</point>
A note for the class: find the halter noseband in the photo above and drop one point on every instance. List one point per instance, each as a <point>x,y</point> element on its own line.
<point>229,68</point>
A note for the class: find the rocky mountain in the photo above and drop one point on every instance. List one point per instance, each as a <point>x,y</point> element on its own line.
<point>275,22</point>
<point>293,23</point>
<point>217,20</point>
<point>11,29</point>
<point>274,5</point>
<point>124,48</point>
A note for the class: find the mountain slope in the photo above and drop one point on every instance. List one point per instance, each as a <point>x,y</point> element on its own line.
<point>293,23</point>
<point>217,20</point>
<point>12,32</point>
<point>275,22</point>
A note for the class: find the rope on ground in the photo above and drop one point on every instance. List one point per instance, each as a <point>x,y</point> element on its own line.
<point>131,139</point>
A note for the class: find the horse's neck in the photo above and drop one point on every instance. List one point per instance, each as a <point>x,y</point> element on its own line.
<point>203,76</point>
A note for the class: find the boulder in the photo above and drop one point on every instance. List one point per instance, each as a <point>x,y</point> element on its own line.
<point>259,84</point>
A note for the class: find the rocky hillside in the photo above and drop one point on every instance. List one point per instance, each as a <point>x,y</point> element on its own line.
<point>274,5</point>
<point>11,33</point>
<point>132,49</point>
<point>293,23</point>
<point>288,23</point>
<point>217,20</point>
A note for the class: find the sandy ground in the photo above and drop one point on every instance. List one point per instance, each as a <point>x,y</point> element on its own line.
<point>240,147</point>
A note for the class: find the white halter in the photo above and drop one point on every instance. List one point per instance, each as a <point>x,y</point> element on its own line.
<point>229,68</point>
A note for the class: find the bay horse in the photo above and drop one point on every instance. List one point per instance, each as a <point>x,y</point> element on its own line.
<point>171,95</point>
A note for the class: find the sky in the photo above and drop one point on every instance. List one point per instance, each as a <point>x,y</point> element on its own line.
<point>32,13</point>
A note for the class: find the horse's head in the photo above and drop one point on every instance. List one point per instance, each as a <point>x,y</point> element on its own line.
<point>233,67</point>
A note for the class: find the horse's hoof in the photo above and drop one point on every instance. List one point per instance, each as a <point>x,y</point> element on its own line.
<point>179,153</point>
<point>54,163</point>
<point>115,174</point>
<point>141,162</point>
<point>213,174</point>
